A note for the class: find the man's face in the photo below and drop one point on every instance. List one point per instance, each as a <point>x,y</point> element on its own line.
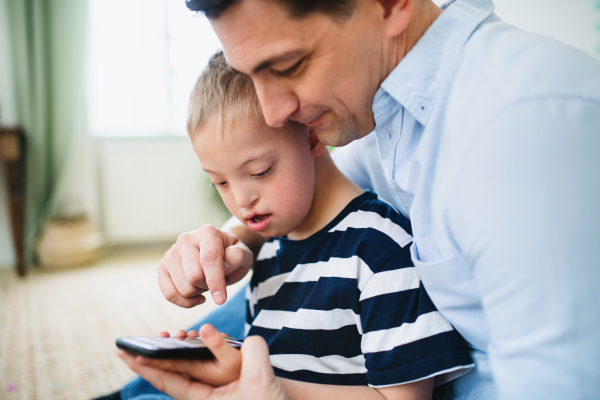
<point>314,70</point>
<point>265,175</point>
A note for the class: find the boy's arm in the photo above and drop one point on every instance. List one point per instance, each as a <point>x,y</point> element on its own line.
<point>207,259</point>
<point>419,390</point>
<point>192,376</point>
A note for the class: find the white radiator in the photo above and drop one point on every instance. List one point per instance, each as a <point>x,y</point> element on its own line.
<point>152,189</point>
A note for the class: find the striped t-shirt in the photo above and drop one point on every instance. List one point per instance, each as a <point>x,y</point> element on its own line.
<point>346,306</point>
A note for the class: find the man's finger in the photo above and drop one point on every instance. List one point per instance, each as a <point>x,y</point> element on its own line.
<point>257,379</point>
<point>256,351</point>
<point>181,366</point>
<point>188,245</point>
<point>170,292</point>
<point>212,251</point>
<point>174,384</point>
<point>174,265</point>
<point>206,371</point>
<point>240,259</point>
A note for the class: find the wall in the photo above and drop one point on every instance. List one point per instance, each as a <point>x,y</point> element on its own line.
<point>575,22</point>
<point>152,189</point>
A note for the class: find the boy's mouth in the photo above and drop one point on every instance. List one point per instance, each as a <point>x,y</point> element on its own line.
<point>259,221</point>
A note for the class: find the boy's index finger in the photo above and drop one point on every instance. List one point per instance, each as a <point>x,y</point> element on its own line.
<point>212,253</point>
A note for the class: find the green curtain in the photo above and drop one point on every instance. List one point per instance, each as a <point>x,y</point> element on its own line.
<point>48,40</point>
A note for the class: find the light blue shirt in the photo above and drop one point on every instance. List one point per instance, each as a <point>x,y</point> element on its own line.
<point>488,138</point>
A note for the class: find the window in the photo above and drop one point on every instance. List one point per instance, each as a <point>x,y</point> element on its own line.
<point>145,56</point>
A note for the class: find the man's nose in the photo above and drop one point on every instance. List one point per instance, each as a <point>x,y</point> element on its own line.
<point>278,103</point>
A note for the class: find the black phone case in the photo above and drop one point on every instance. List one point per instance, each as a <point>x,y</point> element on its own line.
<point>190,353</point>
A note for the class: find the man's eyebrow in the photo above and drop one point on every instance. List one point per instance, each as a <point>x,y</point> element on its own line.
<point>276,59</point>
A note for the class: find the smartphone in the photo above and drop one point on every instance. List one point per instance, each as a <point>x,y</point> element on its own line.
<point>170,347</point>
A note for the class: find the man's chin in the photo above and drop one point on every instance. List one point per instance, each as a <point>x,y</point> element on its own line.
<point>341,134</point>
<point>336,137</point>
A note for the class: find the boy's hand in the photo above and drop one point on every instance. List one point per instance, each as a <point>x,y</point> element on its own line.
<point>204,259</point>
<point>221,371</point>
<point>178,379</point>
<point>225,368</point>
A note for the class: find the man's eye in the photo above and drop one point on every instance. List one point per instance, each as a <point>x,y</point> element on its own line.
<point>264,174</point>
<point>290,71</point>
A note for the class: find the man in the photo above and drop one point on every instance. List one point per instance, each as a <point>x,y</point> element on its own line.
<point>488,138</point>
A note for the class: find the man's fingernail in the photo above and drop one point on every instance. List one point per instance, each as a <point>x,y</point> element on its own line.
<point>226,267</point>
<point>218,297</point>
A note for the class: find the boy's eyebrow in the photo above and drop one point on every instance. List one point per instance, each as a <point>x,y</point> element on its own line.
<point>244,163</point>
<point>276,59</point>
<point>255,158</point>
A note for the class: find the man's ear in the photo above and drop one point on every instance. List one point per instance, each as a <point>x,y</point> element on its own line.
<point>396,15</point>
<point>316,147</point>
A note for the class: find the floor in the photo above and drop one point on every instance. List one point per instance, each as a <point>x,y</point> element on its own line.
<point>58,328</point>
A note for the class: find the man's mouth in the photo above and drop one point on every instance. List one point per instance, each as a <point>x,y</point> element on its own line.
<point>315,122</point>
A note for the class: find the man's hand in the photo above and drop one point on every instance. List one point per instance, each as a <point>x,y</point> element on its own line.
<point>224,369</point>
<point>201,260</point>
<point>184,379</point>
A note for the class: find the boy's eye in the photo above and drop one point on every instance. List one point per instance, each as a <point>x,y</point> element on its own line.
<point>264,174</point>
<point>218,184</point>
<point>289,71</point>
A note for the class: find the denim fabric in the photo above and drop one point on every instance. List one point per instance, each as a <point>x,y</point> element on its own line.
<point>228,318</point>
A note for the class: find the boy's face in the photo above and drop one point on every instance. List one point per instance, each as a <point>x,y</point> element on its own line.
<point>265,176</point>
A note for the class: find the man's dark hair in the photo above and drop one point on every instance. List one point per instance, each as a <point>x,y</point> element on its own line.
<point>338,9</point>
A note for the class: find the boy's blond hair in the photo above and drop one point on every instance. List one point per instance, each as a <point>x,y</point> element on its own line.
<point>222,92</point>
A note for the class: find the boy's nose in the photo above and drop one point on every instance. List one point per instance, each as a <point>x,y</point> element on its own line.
<point>245,198</point>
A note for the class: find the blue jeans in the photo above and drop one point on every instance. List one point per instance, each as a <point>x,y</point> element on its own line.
<point>228,318</point>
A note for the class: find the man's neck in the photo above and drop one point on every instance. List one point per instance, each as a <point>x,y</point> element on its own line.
<point>424,14</point>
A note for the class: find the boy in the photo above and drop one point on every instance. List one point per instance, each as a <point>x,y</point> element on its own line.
<point>333,292</point>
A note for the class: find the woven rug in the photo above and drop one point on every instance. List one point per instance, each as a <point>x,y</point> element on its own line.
<point>58,328</point>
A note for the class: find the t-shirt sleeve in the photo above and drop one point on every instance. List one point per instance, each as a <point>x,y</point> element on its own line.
<point>404,337</point>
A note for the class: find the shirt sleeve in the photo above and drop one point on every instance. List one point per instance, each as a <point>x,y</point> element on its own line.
<point>404,337</point>
<point>526,216</point>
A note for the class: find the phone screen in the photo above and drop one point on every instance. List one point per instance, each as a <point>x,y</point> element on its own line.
<point>169,347</point>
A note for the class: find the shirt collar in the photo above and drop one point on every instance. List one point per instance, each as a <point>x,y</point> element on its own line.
<point>417,79</point>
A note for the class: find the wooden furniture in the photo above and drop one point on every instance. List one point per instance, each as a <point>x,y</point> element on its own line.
<point>12,157</point>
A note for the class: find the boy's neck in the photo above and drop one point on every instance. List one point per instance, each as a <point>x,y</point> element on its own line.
<point>333,192</point>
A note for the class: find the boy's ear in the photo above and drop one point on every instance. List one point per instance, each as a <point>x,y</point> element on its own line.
<point>316,147</point>
<point>396,15</point>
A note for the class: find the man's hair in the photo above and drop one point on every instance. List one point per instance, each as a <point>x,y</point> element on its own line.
<point>338,9</point>
<point>222,93</point>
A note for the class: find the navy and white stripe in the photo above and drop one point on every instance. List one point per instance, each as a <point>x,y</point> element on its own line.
<point>346,306</point>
